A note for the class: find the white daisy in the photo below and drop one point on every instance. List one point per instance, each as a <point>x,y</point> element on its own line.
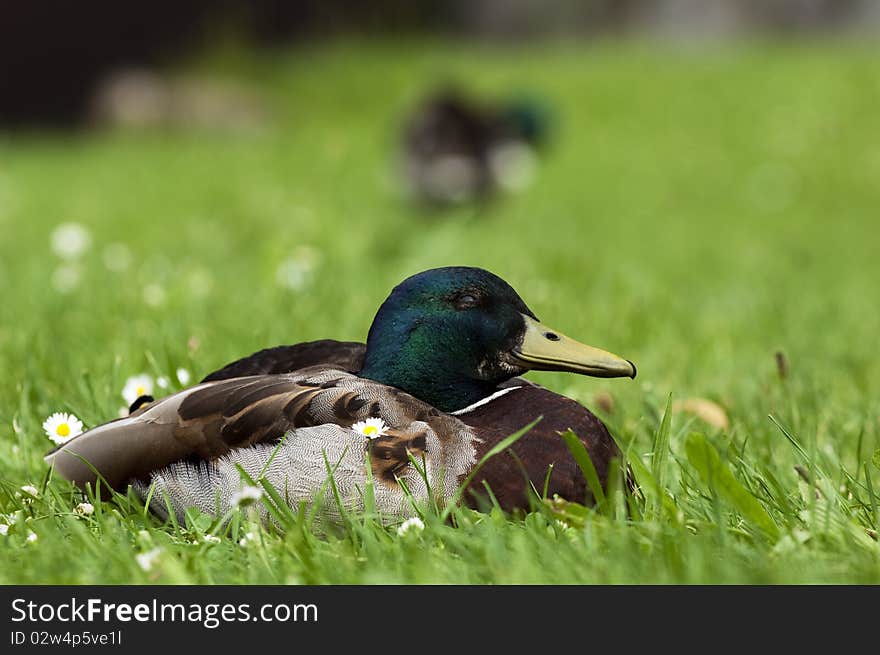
<point>137,386</point>
<point>183,376</point>
<point>30,489</point>
<point>70,240</point>
<point>65,278</point>
<point>414,525</point>
<point>200,283</point>
<point>4,529</point>
<point>246,496</point>
<point>117,257</point>
<point>297,270</point>
<point>148,559</point>
<point>61,427</point>
<point>86,509</point>
<point>371,428</point>
<point>162,382</point>
<point>154,295</point>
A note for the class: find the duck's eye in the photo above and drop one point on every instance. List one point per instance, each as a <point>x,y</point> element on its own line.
<point>465,301</point>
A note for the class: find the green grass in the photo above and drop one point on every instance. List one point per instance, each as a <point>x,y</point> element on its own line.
<point>698,211</point>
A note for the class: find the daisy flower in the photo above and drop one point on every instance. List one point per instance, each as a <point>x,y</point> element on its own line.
<point>183,376</point>
<point>148,559</point>
<point>85,509</point>
<point>162,382</point>
<point>297,270</point>
<point>137,386</point>
<point>371,428</point>
<point>70,240</point>
<point>65,278</point>
<point>414,525</point>
<point>30,489</point>
<point>154,295</point>
<point>117,257</point>
<point>61,427</point>
<point>4,529</point>
<point>246,496</point>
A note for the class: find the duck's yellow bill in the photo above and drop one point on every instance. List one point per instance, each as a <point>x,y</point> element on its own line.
<point>545,349</point>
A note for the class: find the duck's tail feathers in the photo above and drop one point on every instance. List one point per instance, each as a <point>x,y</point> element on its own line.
<point>116,452</point>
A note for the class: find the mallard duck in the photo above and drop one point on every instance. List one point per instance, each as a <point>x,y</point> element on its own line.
<point>436,382</point>
<point>456,150</point>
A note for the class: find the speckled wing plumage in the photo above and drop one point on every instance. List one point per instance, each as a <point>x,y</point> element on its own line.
<point>188,444</point>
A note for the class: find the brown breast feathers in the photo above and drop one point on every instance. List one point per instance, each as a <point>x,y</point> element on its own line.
<point>511,474</point>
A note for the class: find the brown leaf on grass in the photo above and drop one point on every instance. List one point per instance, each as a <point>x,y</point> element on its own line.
<point>604,401</point>
<point>706,410</point>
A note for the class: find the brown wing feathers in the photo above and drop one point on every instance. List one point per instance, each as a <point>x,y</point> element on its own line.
<point>342,355</point>
<point>243,411</point>
<point>389,455</point>
<point>203,422</point>
<point>212,419</point>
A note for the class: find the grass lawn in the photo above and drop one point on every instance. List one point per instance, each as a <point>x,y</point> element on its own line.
<point>699,210</point>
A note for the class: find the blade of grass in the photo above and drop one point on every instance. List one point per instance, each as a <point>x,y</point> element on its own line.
<point>585,463</point>
<point>873,497</point>
<point>790,437</point>
<point>661,500</point>
<point>500,447</point>
<point>547,481</point>
<point>703,456</point>
<point>661,446</point>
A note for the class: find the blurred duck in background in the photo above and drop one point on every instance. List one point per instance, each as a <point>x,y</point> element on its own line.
<point>457,150</point>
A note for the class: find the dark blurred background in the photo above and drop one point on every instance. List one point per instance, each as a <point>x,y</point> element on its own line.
<point>53,56</point>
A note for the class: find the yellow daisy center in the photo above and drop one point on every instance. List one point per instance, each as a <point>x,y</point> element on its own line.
<point>140,391</point>
<point>370,429</point>
<point>63,430</point>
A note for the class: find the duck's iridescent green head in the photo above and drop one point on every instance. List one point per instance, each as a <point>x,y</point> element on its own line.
<point>450,336</point>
